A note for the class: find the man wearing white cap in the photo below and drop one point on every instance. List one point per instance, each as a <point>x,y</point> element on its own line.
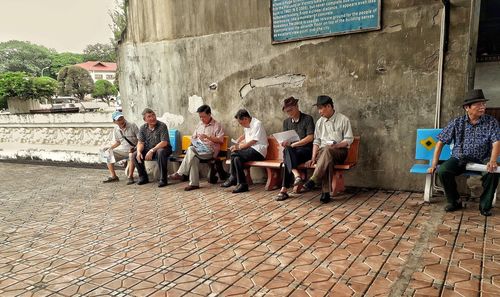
<point>125,141</point>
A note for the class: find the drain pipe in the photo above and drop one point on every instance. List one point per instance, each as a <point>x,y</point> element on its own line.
<point>443,48</point>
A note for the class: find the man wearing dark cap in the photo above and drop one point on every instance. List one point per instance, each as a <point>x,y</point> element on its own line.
<point>332,138</point>
<point>295,153</point>
<point>154,144</point>
<point>124,143</point>
<point>476,139</point>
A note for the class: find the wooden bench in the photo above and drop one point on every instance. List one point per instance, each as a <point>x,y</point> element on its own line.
<point>337,184</point>
<point>273,166</point>
<point>424,153</point>
<point>214,164</point>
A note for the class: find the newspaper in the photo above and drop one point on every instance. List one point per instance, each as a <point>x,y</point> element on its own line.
<point>288,136</point>
<point>200,147</point>
<point>107,156</point>
<point>479,167</point>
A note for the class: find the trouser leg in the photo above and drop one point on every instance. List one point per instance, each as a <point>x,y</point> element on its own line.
<point>490,184</point>
<point>141,168</point>
<point>447,173</point>
<point>289,159</point>
<point>238,158</point>
<point>327,158</point>
<point>162,159</point>
<point>186,162</point>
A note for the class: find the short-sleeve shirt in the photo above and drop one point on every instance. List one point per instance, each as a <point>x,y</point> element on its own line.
<point>130,132</point>
<point>477,141</point>
<point>151,137</point>
<point>304,126</point>
<point>337,129</point>
<point>257,132</point>
<point>213,128</point>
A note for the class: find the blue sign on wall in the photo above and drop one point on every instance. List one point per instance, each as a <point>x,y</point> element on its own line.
<point>305,19</point>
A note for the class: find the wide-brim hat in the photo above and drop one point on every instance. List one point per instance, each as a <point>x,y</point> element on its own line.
<point>290,101</point>
<point>474,96</point>
<point>323,100</point>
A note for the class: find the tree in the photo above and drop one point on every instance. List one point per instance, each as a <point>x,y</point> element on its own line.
<point>118,21</point>
<point>23,56</point>
<point>16,85</point>
<point>75,81</point>
<point>99,52</point>
<point>104,89</point>
<point>59,60</point>
<point>44,87</point>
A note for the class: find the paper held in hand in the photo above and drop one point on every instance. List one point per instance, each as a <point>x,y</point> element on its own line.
<point>106,156</point>
<point>288,136</point>
<point>200,147</point>
<point>479,167</point>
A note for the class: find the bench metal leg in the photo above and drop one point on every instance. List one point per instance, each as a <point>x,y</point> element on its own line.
<point>337,182</point>
<point>494,199</point>
<point>273,178</point>
<point>428,188</point>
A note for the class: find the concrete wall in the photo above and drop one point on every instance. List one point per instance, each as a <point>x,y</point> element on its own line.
<point>488,79</point>
<point>384,81</point>
<point>74,137</point>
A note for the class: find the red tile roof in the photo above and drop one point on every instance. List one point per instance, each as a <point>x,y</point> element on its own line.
<point>98,66</point>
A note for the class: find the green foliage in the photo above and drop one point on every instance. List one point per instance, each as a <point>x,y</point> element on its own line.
<point>16,84</point>
<point>118,21</point>
<point>60,60</point>
<point>44,87</point>
<point>99,52</point>
<point>75,81</point>
<point>22,56</point>
<point>24,86</point>
<point>104,89</point>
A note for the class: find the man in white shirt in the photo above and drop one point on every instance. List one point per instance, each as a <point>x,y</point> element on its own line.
<point>251,146</point>
<point>125,141</point>
<point>332,138</point>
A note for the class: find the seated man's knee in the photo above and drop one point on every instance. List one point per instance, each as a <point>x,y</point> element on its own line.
<point>164,151</point>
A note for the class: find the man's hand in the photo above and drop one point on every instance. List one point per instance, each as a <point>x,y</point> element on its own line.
<point>149,155</point>
<point>285,144</point>
<point>311,163</point>
<point>235,147</point>
<point>203,137</point>
<point>431,169</point>
<point>139,157</point>
<point>491,166</point>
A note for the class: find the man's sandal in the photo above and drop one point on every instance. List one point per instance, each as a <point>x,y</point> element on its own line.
<point>282,196</point>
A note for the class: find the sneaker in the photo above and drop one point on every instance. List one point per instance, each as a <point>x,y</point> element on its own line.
<point>130,181</point>
<point>111,179</point>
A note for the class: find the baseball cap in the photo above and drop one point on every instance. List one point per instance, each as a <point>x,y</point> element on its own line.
<point>116,115</point>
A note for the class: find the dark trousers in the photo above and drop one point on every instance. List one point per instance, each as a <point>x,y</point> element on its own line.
<point>292,158</point>
<point>451,168</point>
<point>237,160</point>
<point>161,156</point>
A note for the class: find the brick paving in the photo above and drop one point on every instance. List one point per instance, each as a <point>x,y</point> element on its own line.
<point>63,233</point>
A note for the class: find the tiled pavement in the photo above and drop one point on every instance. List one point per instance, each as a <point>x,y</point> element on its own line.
<point>62,233</point>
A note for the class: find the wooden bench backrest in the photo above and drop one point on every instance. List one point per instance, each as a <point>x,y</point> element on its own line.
<point>352,155</point>
<point>186,142</point>
<point>273,149</point>
<point>426,143</point>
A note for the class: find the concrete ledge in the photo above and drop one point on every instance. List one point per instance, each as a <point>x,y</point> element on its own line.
<point>56,153</point>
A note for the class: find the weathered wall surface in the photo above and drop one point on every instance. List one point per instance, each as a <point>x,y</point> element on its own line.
<point>55,137</point>
<point>384,81</point>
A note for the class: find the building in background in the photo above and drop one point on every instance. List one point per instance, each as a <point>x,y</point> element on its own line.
<point>100,70</point>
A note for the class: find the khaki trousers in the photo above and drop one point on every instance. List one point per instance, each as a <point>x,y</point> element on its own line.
<point>191,165</point>
<point>326,159</point>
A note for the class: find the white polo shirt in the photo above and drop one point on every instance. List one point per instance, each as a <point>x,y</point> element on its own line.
<point>256,132</point>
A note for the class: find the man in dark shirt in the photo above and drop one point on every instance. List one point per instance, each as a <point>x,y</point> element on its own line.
<point>297,152</point>
<point>476,139</point>
<point>153,144</point>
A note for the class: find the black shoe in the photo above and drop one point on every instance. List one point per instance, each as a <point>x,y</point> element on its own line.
<point>309,185</point>
<point>452,207</point>
<point>485,213</point>
<point>111,179</point>
<point>143,181</point>
<point>229,182</point>
<point>241,188</point>
<point>162,183</point>
<point>282,196</point>
<point>325,198</point>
